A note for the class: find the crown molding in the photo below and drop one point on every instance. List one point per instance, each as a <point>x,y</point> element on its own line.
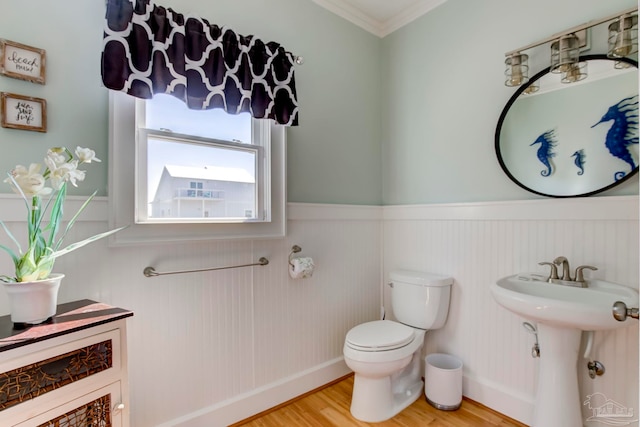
<point>408,15</point>
<point>372,25</point>
<point>353,15</point>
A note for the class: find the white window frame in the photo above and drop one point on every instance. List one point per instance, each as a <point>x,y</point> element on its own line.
<point>122,178</point>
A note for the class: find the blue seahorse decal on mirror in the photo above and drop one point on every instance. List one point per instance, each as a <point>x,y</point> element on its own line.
<point>623,132</point>
<point>547,142</point>
<point>579,160</point>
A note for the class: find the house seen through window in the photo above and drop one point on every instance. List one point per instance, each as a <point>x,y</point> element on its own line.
<point>200,165</point>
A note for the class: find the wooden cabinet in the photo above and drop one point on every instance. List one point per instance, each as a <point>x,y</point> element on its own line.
<point>70,372</point>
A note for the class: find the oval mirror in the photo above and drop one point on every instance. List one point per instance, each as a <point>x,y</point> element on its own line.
<point>577,141</point>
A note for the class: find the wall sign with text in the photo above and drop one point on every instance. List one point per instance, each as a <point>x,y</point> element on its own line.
<point>23,112</point>
<point>22,62</point>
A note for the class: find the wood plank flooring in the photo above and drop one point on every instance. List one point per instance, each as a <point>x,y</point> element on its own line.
<point>329,407</point>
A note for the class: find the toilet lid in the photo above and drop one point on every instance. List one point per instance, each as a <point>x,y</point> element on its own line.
<point>379,335</point>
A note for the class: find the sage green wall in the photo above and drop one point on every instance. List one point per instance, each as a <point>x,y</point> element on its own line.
<point>405,119</point>
<point>76,100</point>
<point>333,156</point>
<point>444,91</point>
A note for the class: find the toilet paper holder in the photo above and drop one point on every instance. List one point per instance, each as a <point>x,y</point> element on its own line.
<point>294,250</point>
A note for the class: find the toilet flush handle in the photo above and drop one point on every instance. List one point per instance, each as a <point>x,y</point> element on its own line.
<point>390,284</point>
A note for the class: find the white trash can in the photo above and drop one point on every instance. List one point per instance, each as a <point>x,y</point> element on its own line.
<point>443,381</point>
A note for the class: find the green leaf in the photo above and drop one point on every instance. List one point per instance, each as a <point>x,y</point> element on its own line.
<point>6,230</point>
<point>78,245</point>
<point>26,265</point>
<point>57,211</point>
<point>73,221</point>
<point>16,186</point>
<point>12,254</point>
<point>35,219</point>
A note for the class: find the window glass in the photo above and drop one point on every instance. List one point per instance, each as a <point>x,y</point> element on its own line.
<point>188,179</point>
<point>205,166</point>
<point>166,112</point>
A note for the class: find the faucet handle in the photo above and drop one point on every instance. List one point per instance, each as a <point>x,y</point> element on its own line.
<point>579,276</point>
<point>553,275</point>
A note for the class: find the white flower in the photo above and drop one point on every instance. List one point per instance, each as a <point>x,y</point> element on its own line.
<point>86,155</point>
<point>55,156</point>
<point>66,172</point>
<point>30,181</point>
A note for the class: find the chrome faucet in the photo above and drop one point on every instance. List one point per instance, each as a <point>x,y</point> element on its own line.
<point>566,279</point>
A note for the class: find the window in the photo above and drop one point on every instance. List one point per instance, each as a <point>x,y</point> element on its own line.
<point>204,166</point>
<point>196,174</point>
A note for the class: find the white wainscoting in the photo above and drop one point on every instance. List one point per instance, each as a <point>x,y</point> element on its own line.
<point>209,349</point>
<point>477,243</point>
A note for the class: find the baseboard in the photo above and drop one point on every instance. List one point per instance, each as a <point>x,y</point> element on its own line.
<point>263,398</point>
<point>511,403</point>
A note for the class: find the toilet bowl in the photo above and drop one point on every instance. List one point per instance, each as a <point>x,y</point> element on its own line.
<point>386,355</point>
<point>386,358</point>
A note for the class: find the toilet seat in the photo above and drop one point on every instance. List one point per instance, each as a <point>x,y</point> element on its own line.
<point>379,335</point>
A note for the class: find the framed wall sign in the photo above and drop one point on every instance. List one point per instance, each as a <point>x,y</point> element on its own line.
<point>22,62</point>
<point>23,112</point>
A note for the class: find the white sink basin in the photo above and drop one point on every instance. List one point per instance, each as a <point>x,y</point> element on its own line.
<point>587,309</point>
<point>561,313</point>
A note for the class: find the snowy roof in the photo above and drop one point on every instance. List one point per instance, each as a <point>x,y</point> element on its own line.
<point>210,173</point>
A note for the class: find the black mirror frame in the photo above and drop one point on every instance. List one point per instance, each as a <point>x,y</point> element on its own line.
<point>513,99</point>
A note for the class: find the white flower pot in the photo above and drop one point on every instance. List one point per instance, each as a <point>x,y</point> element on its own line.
<point>33,302</point>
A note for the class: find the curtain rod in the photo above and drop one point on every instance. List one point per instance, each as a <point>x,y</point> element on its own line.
<point>573,30</point>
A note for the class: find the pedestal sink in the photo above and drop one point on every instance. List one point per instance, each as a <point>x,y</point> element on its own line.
<point>561,313</point>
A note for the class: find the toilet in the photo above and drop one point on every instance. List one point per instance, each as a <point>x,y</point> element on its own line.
<point>386,355</point>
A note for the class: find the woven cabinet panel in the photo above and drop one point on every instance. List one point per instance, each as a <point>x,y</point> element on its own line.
<point>93,414</point>
<point>30,381</point>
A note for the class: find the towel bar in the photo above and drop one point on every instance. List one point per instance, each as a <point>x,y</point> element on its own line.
<point>151,272</point>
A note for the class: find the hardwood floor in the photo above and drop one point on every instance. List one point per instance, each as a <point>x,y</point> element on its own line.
<point>329,407</point>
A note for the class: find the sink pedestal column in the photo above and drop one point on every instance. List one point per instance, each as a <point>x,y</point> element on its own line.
<point>557,396</point>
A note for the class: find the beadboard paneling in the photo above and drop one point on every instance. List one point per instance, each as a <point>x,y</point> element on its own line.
<point>212,348</point>
<point>209,349</point>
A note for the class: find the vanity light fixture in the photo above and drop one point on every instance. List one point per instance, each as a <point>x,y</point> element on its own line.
<point>565,53</point>
<point>566,47</point>
<point>621,65</point>
<point>623,38</point>
<point>517,70</point>
<point>575,73</point>
<point>565,58</point>
<point>532,88</point>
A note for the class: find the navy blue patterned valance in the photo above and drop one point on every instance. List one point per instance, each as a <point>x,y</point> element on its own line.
<point>149,49</point>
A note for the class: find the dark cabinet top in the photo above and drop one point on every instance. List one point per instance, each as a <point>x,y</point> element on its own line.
<point>70,317</point>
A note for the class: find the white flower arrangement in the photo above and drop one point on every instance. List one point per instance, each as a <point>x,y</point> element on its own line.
<point>44,246</point>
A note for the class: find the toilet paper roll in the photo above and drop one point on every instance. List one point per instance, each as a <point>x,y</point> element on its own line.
<point>301,268</point>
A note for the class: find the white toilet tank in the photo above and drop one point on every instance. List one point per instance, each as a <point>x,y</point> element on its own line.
<point>420,299</point>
